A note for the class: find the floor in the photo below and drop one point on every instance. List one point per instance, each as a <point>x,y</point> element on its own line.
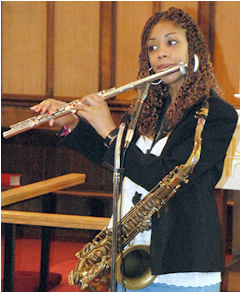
<point>62,259</point>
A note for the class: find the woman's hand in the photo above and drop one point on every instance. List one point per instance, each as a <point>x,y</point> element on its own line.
<point>91,108</point>
<point>49,106</point>
<point>96,111</point>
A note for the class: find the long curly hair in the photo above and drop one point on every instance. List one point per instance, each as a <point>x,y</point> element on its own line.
<point>195,85</point>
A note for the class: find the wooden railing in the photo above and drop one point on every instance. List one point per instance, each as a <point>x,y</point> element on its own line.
<point>40,188</point>
<point>45,219</point>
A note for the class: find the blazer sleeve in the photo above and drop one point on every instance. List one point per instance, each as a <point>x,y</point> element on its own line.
<point>87,141</point>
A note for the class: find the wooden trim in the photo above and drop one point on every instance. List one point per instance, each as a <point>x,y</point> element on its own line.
<point>41,188</point>
<point>54,220</point>
<point>25,100</point>
<point>107,46</point>
<point>21,100</point>
<point>114,42</point>
<point>50,50</point>
<point>206,19</point>
<point>85,194</point>
<point>211,28</point>
<point>156,6</point>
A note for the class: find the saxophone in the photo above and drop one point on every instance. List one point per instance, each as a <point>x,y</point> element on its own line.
<point>93,270</point>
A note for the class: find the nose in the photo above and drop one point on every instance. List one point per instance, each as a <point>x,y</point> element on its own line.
<point>162,52</point>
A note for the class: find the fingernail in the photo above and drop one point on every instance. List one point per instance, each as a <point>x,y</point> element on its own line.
<point>48,113</point>
<point>41,111</point>
<point>74,104</point>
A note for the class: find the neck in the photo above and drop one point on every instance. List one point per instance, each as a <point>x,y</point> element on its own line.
<point>174,88</point>
<point>174,94</point>
<point>174,91</point>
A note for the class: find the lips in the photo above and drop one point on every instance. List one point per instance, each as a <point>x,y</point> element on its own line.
<point>164,66</point>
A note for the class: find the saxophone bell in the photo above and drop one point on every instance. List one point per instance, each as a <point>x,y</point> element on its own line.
<point>135,268</point>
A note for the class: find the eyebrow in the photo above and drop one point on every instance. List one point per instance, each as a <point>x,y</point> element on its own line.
<point>151,39</point>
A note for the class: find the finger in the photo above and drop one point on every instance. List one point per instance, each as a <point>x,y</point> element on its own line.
<point>42,106</point>
<point>83,108</point>
<point>49,106</point>
<point>36,108</point>
<point>84,104</point>
<point>91,99</point>
<point>96,99</point>
<point>53,107</point>
<point>85,114</point>
<point>51,122</point>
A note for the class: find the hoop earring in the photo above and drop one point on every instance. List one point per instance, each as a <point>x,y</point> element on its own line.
<point>154,83</point>
<point>196,63</point>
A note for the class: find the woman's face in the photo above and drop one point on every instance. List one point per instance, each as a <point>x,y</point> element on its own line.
<point>167,46</point>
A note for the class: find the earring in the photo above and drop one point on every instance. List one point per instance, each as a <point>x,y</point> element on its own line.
<point>154,83</point>
<point>196,63</point>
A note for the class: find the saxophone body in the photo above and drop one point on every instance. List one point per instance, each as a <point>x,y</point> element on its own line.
<point>93,271</point>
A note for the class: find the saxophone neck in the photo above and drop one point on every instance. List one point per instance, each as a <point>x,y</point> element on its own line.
<point>201,115</point>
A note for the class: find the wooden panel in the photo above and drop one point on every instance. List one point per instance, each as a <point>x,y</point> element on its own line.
<point>36,155</point>
<point>226,48</point>
<point>231,276</point>
<point>76,48</point>
<point>12,114</point>
<point>23,47</point>
<point>190,6</point>
<point>131,18</point>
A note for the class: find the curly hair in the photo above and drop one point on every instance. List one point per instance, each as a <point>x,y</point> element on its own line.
<point>195,85</point>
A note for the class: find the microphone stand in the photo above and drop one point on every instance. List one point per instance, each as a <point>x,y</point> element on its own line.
<point>142,94</point>
<point>116,193</point>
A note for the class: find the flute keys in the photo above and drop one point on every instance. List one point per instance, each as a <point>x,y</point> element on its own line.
<point>100,93</point>
<point>31,123</point>
<point>67,108</point>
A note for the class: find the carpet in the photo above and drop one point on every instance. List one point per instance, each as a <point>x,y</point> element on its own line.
<point>27,281</point>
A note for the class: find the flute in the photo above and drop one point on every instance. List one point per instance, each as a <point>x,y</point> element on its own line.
<point>105,94</point>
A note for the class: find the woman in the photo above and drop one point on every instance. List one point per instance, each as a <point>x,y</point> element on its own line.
<point>185,242</point>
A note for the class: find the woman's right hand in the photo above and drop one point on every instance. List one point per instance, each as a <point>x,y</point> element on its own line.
<point>49,106</point>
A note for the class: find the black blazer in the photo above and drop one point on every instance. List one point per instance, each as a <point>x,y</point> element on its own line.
<point>186,237</point>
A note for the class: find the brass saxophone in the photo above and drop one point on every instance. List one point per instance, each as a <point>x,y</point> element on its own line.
<point>93,270</point>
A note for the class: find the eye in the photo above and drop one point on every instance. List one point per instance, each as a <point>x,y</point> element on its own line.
<point>172,42</point>
<point>152,48</point>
